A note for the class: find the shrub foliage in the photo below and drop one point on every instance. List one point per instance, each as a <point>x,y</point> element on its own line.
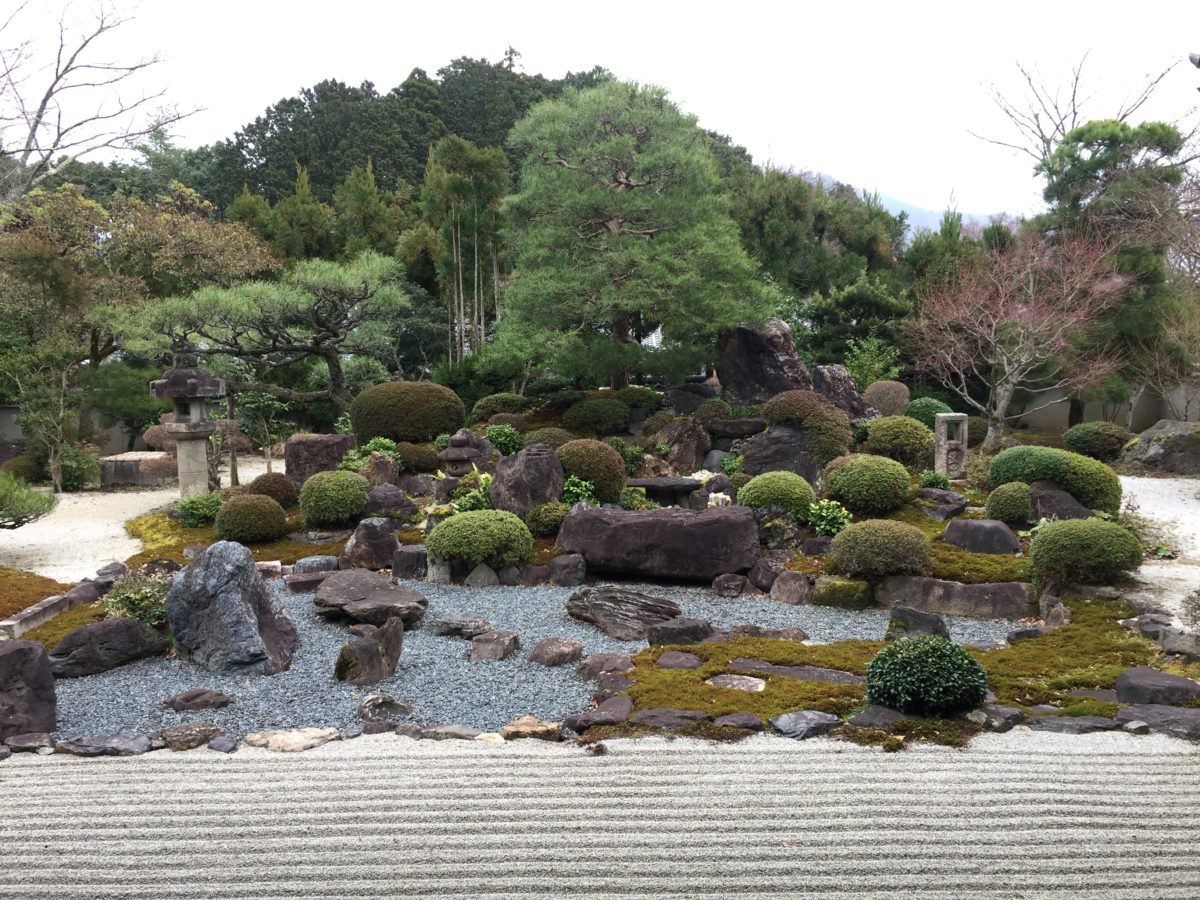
<point>903,439</point>
<point>877,548</point>
<point>414,411</point>
<point>333,498</point>
<point>926,675</point>
<point>867,484</point>
<point>1090,551</point>
<point>251,519</point>
<point>1010,503</point>
<point>1099,440</point>
<point>785,489</point>
<point>1088,480</point>
<point>490,536</point>
<point>596,462</point>
<point>277,486</point>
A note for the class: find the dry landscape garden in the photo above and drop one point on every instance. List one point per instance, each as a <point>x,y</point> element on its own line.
<point>501,407</point>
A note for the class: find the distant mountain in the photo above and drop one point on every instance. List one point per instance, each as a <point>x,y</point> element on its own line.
<point>918,217</point>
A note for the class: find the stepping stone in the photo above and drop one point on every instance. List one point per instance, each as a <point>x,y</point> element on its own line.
<point>29,743</point>
<point>1074,724</point>
<point>189,737</point>
<point>613,711</point>
<point>802,673</point>
<point>531,727</point>
<point>665,717</point>
<point>746,683</point>
<point>679,631</point>
<point>996,718</point>
<point>805,724</point>
<point>775,634</point>
<point>598,664</point>
<point>462,628</point>
<point>366,596</point>
<point>740,720</point>
<point>880,717</point>
<point>679,659</point>
<point>609,685</point>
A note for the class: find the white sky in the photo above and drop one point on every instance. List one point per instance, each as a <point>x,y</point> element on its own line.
<point>881,95</point>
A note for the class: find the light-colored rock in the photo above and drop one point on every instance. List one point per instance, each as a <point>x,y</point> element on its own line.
<point>292,741</point>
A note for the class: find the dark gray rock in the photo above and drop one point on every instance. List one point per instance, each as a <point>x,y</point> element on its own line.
<point>492,646</point>
<point>380,469</point>
<point>876,716</point>
<point>837,386</point>
<point>610,685</point>
<point>369,660</point>
<point>105,745</point>
<point>736,428</point>
<point>779,533</point>
<point>533,576</point>
<point>1073,724</point>
<point>309,564</point>
<point>1177,721</point>
<point>199,698</point>
<point>1052,502</point>
<point>817,546</point>
<point>678,659</point>
<point>390,502</point>
<point>996,718</point>
<point>598,664</point>
<point>462,628</point>
<point>685,399</point>
<point>1168,446</point>
<point>981,536</point>
<point>739,720</point>
<point>27,698</point>
<point>805,724</point>
<point>223,617</point>
<point>371,597</point>
<point>223,743</point>
<point>481,576</point>
<point>29,743</point>
<point>801,673</point>
<point>1186,646</point>
<point>689,443</point>
<point>612,711</point>
<point>998,600</point>
<point>619,613</point>
<point>100,646</point>
<point>1143,684</point>
<point>510,576</point>
<point>372,545</point>
<point>305,455</point>
<point>5,753</point>
<point>410,562</point>
<point>679,631</point>
<point>188,736</point>
<point>556,651</point>
<point>410,730</point>
<point>416,485</point>
<point>568,570</point>
<point>526,479</point>
<point>781,448</point>
<point>107,576</point>
<point>665,717</point>
<point>381,707</point>
<point>763,574</point>
<point>756,363</point>
<point>775,634</point>
<point>907,622</point>
<point>729,585</point>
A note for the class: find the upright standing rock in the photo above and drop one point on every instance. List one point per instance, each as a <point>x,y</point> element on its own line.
<point>27,701</point>
<point>527,479</point>
<point>224,618</point>
<point>372,546</point>
<point>837,385</point>
<point>304,455</point>
<point>758,363</point>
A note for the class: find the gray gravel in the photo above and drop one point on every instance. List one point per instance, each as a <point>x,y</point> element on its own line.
<point>435,676</point>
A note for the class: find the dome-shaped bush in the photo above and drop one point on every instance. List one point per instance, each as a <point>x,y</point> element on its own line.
<point>333,498</point>
<point>926,675</point>
<point>903,439</point>
<point>26,467</point>
<point>251,519</point>
<point>711,411</point>
<point>827,431</point>
<point>785,489</point>
<point>638,397</point>
<point>977,428</point>
<point>489,536</point>
<point>877,548</point>
<point>657,421</point>
<point>888,397</point>
<point>867,485</point>
<point>414,411</point>
<point>1089,551</point>
<point>555,437</point>
<point>544,520</point>
<point>1088,480</point>
<point>1011,503</point>
<point>277,486</point>
<point>417,458</point>
<point>488,406</point>
<point>1099,440</point>
<point>925,410</point>
<point>513,420</point>
<point>597,463</point>
<point>597,417</point>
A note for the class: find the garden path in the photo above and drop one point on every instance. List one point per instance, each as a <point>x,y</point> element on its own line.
<point>1174,505</point>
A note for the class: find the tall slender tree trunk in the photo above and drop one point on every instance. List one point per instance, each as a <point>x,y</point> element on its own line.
<point>620,374</point>
<point>233,462</point>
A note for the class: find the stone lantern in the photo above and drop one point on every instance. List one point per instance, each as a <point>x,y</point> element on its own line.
<point>950,444</point>
<point>189,390</point>
<point>458,458</point>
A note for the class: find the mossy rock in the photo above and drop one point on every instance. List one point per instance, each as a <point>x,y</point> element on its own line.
<point>842,593</point>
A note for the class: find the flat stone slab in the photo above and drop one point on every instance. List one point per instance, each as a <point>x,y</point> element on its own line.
<point>370,597</point>
<point>679,659</point>
<point>1173,720</point>
<point>805,724</point>
<point>801,673</point>
<point>292,741</point>
<point>747,683</point>
<point>997,600</point>
<point>665,717</point>
<point>1074,724</point>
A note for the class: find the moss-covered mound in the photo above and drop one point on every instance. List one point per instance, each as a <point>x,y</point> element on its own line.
<point>785,489</point>
<point>488,406</point>
<point>333,498</point>
<point>1088,480</point>
<point>903,439</point>
<point>555,437</point>
<point>887,397</point>
<point>277,486</point>
<point>415,411</point>
<point>1011,503</point>
<point>545,520</point>
<point>596,463</point>
<point>597,417</point>
<point>489,536</point>
<point>251,519</point>
<point>925,410</point>
<point>877,548</point>
<point>1099,440</point>
<point>867,485</point>
<point>1085,551</point>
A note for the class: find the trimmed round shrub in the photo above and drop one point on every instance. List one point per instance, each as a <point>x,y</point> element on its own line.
<point>1099,440</point>
<point>417,458</point>
<point>198,510</point>
<point>827,429</point>
<point>277,486</point>
<point>1090,551</point>
<point>490,536</point>
<point>486,407</point>
<point>555,437</point>
<point>1010,503</point>
<point>657,421</point>
<point>867,485</point>
<point>333,498</point>
<point>638,397</point>
<point>903,439</point>
<point>711,411</point>
<point>888,397</point>
<point>504,438</point>
<point>597,463</point>
<point>414,411</point>
<point>927,675</point>
<point>977,428</point>
<point>251,519</point>
<point>513,420</point>
<point>785,489</point>
<point>877,548</point>
<point>545,520</point>
<point>925,410</point>
<point>1088,480</point>
<point>597,417</point>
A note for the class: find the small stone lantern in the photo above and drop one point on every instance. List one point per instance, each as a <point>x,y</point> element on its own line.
<point>190,390</point>
<point>950,444</point>
<point>459,457</point>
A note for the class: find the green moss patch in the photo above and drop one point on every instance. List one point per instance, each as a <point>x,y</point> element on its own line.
<point>20,590</point>
<point>945,732</point>
<point>48,634</point>
<point>163,538</point>
<point>955,564</point>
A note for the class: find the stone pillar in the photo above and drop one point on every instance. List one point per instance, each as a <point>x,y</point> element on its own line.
<point>950,444</point>
<point>189,390</point>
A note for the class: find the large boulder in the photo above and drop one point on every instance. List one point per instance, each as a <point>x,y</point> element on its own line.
<point>1168,446</point>
<point>527,479</point>
<point>1143,684</point>
<point>372,546</point>
<point>1178,721</point>
<point>836,385</point>
<point>981,536</point>
<point>758,363</point>
<point>304,455</point>
<point>781,448</point>
<point>368,597</point>
<point>223,617</point>
<point>685,399</point>
<point>390,501</point>
<point>998,600</point>
<point>100,646</point>
<point>28,704</point>
<point>379,469</point>
<point>907,622</point>
<point>622,614</point>
<point>688,441</point>
<point>1052,502</point>
<point>369,660</point>
<point>663,543</point>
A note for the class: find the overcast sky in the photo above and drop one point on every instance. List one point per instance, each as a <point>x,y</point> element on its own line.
<point>882,95</point>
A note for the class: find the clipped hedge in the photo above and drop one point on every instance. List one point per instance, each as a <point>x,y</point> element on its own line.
<point>785,489</point>
<point>1011,503</point>
<point>925,410</point>
<point>277,486</point>
<point>597,417</point>
<point>504,402</point>
<point>877,548</point>
<point>333,498</point>
<point>888,397</point>
<point>926,675</point>
<point>711,410</point>
<point>545,520</point>
<point>417,458</point>
<point>977,429</point>
<point>827,430</point>
<point>415,411</point>
<point>513,420</point>
<point>867,485</point>
<point>251,519</point>
<point>638,397</point>
<point>1099,440</point>
<point>903,439</point>
<point>490,536</point>
<point>597,463</point>
<point>1088,480</point>
<point>555,437</point>
<point>1088,551</point>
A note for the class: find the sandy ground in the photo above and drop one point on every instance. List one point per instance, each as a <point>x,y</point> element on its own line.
<point>87,530</point>
<point>1173,503</point>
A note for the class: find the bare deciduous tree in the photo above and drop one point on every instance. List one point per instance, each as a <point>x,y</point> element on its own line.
<point>76,102</point>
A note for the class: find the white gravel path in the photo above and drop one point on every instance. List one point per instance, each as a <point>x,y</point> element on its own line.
<point>1173,503</point>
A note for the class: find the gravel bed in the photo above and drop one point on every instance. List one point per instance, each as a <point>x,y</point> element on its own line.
<point>434,676</point>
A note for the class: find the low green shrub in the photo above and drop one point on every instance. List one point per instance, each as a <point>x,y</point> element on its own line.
<point>504,438</point>
<point>827,431</point>
<point>406,411</point>
<point>80,467</point>
<point>635,499</point>
<point>1088,480</point>
<point>932,479</point>
<point>486,407</point>
<point>867,485</point>
<point>516,420</point>
<point>21,503</point>
<point>277,486</point>
<point>442,441</point>
<point>732,463</point>
<point>545,520</point>
<point>333,498</point>
<point>555,437</point>
<point>927,676</point>
<point>1099,440</point>
<point>578,490</point>
<point>418,457</point>
<point>198,510</point>
<point>657,421</point>
<point>638,397</point>
<point>26,466</point>
<point>712,410</point>
<point>977,428</point>
<point>887,397</point>
<point>786,489</point>
<point>903,439</point>
<point>251,519</point>
<point>737,482</point>
<point>357,457</point>
<point>136,596</point>
<point>631,454</point>
<point>597,417</point>
<point>596,462</point>
<point>828,517</point>
<point>877,548</point>
<point>1010,503</point>
<point>490,536</point>
<point>1088,551</point>
<point>925,410</point>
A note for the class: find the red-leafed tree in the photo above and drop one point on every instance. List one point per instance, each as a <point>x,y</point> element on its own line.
<point>1020,320</point>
